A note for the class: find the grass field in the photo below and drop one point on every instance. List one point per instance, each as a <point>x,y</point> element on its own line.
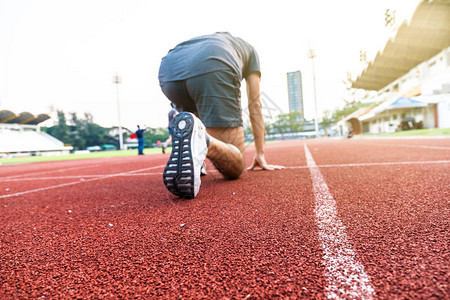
<point>422,132</point>
<point>100,154</point>
<point>414,133</point>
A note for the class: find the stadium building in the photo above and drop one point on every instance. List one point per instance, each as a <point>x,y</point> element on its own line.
<point>411,75</point>
<point>295,92</point>
<point>20,135</point>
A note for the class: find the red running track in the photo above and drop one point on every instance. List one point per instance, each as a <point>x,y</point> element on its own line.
<point>362,218</point>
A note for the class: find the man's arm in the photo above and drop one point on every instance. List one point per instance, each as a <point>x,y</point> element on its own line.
<point>255,111</point>
<point>257,121</point>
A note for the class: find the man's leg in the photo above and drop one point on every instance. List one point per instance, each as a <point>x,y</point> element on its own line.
<point>226,150</point>
<point>140,146</point>
<point>168,141</point>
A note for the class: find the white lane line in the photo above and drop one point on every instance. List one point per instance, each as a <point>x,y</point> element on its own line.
<point>50,171</point>
<point>76,182</point>
<point>409,146</point>
<point>60,170</point>
<point>345,276</point>
<point>88,176</point>
<point>377,164</point>
<point>76,177</point>
<point>12,179</point>
<point>52,178</point>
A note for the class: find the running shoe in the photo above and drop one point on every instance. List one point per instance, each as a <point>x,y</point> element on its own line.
<point>203,171</point>
<point>189,148</point>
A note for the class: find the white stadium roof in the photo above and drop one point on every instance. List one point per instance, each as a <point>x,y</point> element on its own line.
<point>417,40</point>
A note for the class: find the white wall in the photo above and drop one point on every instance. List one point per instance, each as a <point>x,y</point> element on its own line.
<point>444,114</point>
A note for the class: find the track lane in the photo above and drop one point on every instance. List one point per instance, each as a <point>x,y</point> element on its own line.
<point>397,216</point>
<point>251,238</point>
<point>231,240</point>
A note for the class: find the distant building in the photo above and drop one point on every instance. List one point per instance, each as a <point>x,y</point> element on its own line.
<point>295,92</point>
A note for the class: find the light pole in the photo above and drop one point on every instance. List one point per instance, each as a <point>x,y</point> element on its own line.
<point>312,55</point>
<point>116,80</point>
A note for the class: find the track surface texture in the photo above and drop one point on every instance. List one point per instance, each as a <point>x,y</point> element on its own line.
<point>358,218</point>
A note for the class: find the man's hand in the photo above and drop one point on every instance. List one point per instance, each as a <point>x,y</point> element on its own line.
<point>260,161</point>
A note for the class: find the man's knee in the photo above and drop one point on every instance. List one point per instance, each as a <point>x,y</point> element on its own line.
<point>231,166</point>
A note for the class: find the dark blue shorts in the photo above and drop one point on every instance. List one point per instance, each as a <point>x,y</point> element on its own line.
<point>216,96</point>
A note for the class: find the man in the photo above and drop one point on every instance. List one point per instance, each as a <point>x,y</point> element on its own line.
<point>202,77</point>
<point>140,137</point>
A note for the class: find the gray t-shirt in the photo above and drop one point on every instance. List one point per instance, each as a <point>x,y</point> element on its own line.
<point>208,53</point>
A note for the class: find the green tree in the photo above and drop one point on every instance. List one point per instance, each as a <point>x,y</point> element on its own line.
<point>77,132</point>
<point>153,135</point>
<point>86,133</point>
<point>289,122</point>
<point>327,119</point>
<point>349,107</point>
<point>61,131</point>
<point>81,132</point>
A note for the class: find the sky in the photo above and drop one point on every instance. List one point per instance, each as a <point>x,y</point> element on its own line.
<point>63,54</point>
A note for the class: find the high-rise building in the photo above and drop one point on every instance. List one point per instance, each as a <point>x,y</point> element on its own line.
<point>295,92</point>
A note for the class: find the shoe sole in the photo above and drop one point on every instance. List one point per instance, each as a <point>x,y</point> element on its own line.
<point>178,174</point>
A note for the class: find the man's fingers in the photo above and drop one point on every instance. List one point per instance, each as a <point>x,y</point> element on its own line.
<point>254,164</point>
<point>276,167</point>
<point>267,167</point>
<point>263,165</point>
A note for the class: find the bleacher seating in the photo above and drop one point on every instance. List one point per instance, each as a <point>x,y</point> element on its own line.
<point>20,135</point>
<point>28,141</point>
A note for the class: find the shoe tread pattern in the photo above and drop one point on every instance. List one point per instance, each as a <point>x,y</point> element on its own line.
<point>178,174</point>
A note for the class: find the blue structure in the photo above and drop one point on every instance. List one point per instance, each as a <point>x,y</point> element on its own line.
<point>295,92</point>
